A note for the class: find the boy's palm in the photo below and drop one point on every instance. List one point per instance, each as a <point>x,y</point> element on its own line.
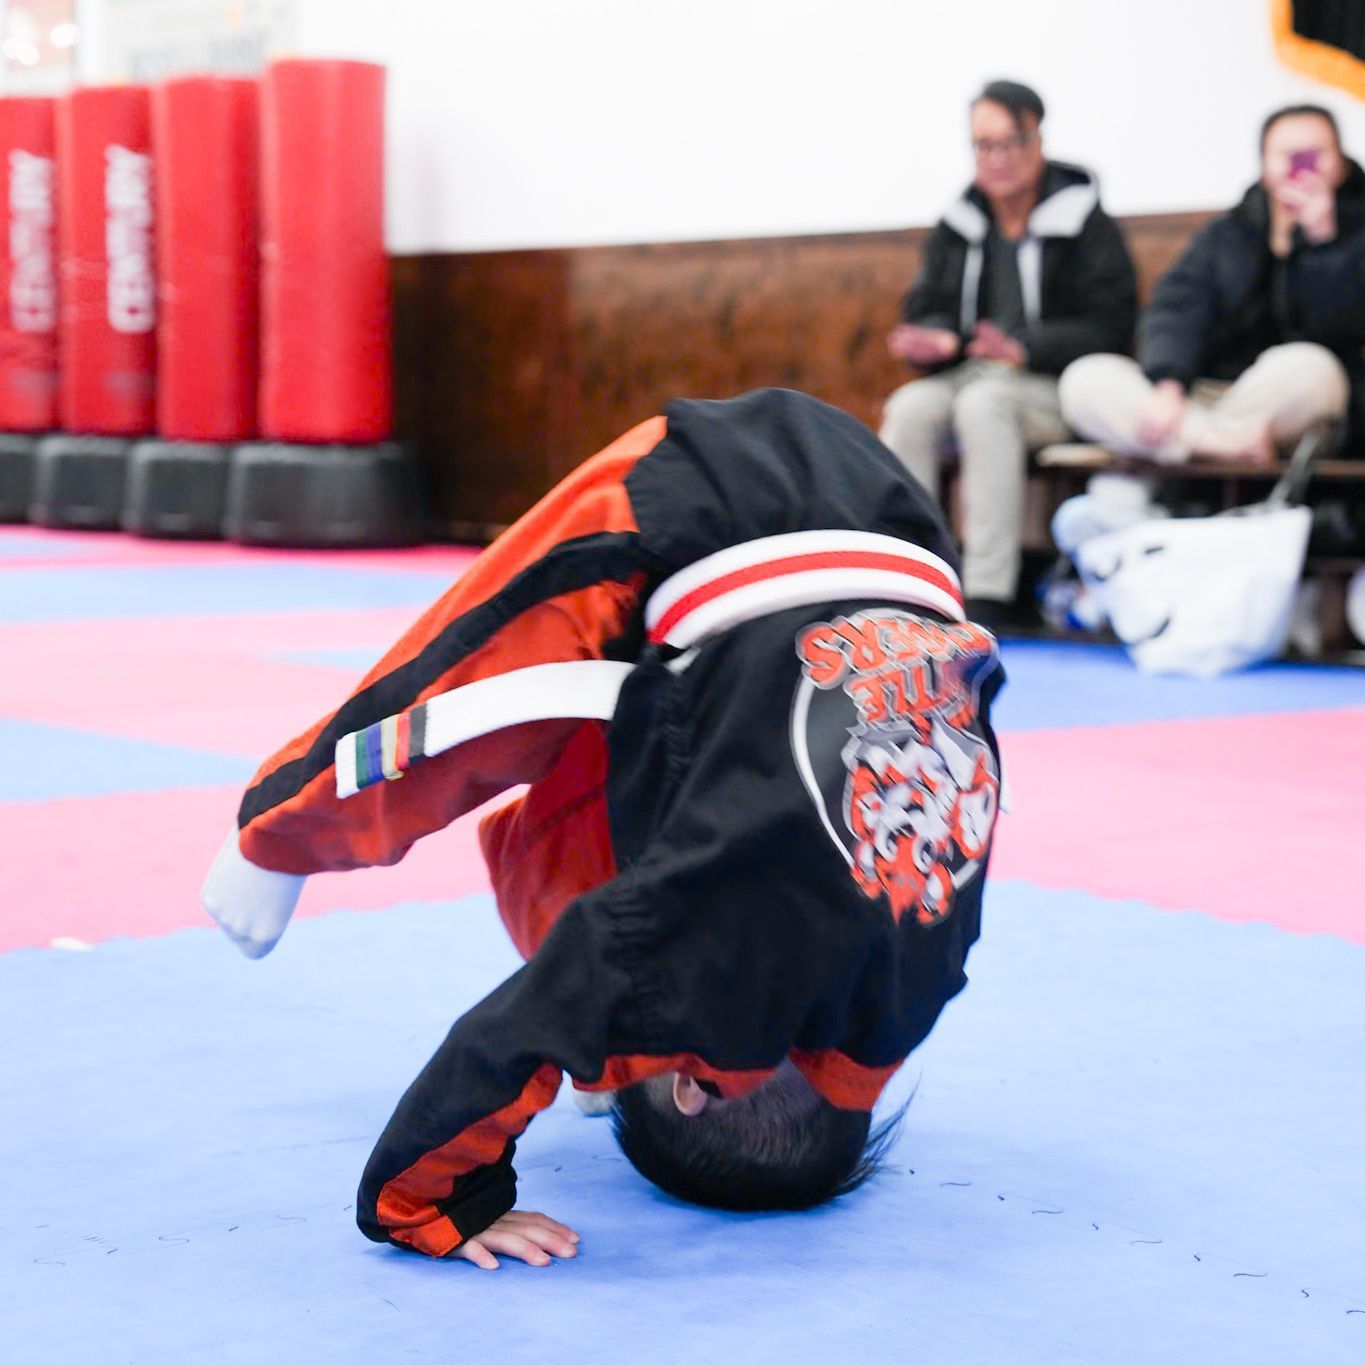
<point>530,1237</point>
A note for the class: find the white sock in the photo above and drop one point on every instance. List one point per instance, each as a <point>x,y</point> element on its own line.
<point>250,903</point>
<point>593,1103</point>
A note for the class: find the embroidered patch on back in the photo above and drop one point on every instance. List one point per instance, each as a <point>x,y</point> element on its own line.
<point>886,733</point>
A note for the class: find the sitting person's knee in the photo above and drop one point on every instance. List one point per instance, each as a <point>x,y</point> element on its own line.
<point>1084,380</point>
<point>990,397</point>
<point>913,402</point>
<point>1314,372</point>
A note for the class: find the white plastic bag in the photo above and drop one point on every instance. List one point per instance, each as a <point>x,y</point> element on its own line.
<point>1202,595</point>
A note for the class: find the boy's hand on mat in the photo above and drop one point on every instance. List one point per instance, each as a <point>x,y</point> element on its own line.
<point>530,1237</point>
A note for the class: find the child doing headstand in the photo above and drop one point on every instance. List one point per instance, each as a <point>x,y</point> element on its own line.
<point>728,656</point>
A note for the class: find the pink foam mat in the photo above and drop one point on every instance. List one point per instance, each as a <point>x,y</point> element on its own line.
<point>133,865</point>
<point>215,685</point>
<point>1260,834</point>
<point>99,549</point>
<point>1246,818</point>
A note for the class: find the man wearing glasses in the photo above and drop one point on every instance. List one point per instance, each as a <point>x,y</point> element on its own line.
<point>1022,275</point>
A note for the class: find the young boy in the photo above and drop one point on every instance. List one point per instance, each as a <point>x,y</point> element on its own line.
<point>728,656</point>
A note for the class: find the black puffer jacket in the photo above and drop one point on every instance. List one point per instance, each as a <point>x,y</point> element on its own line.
<point>1223,302</point>
<point>1075,273</point>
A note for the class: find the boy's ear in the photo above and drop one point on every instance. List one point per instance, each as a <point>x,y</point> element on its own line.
<point>688,1096</point>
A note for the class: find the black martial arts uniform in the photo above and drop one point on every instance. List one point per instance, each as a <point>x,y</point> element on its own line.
<point>773,849</point>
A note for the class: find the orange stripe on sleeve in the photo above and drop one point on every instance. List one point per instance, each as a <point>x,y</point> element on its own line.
<point>407,1204</point>
<point>620,1072</point>
<point>846,1084</point>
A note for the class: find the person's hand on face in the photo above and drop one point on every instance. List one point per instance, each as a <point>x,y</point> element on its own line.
<point>990,343</point>
<point>1302,168</point>
<point>1311,203</point>
<point>922,345</point>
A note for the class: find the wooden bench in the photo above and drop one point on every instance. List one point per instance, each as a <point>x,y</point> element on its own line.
<point>1062,471</point>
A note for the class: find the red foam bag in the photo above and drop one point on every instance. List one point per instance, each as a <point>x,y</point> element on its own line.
<point>325,350</point>
<point>108,278</point>
<point>204,132</point>
<point>28,266</point>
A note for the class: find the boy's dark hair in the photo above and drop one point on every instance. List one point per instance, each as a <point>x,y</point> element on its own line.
<point>1015,98</point>
<point>780,1147</point>
<point>1293,111</point>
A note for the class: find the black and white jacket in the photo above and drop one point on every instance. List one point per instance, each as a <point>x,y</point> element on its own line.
<point>1227,299</point>
<point>1075,273</point>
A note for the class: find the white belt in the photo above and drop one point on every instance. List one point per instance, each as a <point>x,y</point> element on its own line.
<point>741,583</point>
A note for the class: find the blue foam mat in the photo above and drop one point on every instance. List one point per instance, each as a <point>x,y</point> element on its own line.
<point>72,594</point>
<point>46,762</point>
<point>1058,684</point>
<point>1135,1139</point>
<point>22,545</point>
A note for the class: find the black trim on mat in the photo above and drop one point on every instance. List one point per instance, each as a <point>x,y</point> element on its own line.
<point>608,556</point>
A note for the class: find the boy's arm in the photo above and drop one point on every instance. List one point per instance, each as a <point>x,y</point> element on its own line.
<point>434,1195</point>
<point>441,1172</point>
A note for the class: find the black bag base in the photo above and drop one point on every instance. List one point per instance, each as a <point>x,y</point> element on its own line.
<point>78,482</point>
<point>177,489</point>
<point>18,458</point>
<point>326,496</point>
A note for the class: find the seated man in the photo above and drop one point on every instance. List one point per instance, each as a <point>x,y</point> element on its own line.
<point>729,655</point>
<point>1023,274</point>
<point>1255,333</point>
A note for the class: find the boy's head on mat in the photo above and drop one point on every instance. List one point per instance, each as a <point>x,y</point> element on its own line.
<point>781,1146</point>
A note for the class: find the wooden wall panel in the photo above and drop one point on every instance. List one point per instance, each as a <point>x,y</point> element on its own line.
<point>481,361</point>
<point>512,367</point>
<point>711,320</point>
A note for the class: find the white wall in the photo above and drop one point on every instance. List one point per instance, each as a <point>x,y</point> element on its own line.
<point>562,122</point>
<point>555,122</point>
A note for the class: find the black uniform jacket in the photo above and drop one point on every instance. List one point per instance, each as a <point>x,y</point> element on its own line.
<point>775,849</point>
<point>1075,272</point>
<point>1226,299</point>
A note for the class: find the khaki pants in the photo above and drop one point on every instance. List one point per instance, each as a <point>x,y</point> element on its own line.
<point>993,416</point>
<point>1289,388</point>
